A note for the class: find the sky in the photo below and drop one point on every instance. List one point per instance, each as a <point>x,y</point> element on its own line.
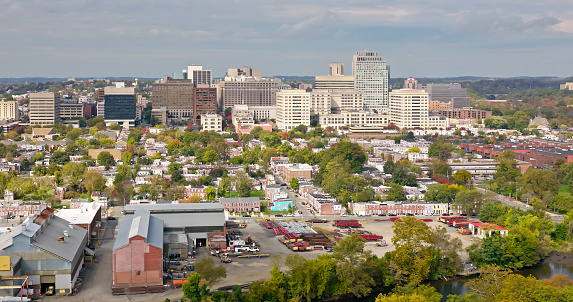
<point>439,38</point>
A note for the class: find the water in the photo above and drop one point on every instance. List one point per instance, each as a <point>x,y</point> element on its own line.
<point>545,270</point>
<point>456,286</point>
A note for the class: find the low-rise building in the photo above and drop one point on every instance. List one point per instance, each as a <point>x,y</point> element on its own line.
<point>52,250</point>
<point>85,215</point>
<point>212,122</point>
<point>241,204</point>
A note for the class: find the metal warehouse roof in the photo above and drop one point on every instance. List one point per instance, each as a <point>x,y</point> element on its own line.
<point>140,224</point>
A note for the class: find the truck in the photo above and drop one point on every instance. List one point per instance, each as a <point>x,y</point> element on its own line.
<point>50,291</point>
<point>225,258</point>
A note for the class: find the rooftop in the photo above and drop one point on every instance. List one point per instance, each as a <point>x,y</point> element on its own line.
<point>141,224</point>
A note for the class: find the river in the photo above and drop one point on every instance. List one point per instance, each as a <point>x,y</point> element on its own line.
<point>545,270</point>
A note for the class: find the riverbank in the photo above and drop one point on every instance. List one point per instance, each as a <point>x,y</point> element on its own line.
<point>559,257</point>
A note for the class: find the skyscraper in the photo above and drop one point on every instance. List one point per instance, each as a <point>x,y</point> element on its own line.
<point>371,78</point>
<point>198,75</point>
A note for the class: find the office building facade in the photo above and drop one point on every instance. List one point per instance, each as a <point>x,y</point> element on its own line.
<point>409,109</point>
<point>174,95</point>
<point>9,110</point>
<point>120,106</point>
<point>204,101</point>
<point>198,75</point>
<point>44,108</point>
<point>293,109</point>
<point>247,91</point>
<point>447,93</point>
<point>371,78</point>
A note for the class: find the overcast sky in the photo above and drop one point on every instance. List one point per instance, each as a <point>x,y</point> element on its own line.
<point>439,38</point>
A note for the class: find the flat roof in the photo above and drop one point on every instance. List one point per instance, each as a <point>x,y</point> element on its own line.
<point>175,208</point>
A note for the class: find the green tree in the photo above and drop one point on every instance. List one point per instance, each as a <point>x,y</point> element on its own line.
<point>73,174</point>
<point>94,181</point>
<point>174,169</point>
<point>242,183</point>
<point>74,134</point>
<point>105,158</point>
<point>541,182</point>
<point>294,183</point>
<point>469,201</point>
<point>207,269</point>
<point>355,266</point>
<point>440,149</point>
<point>413,253</point>
<point>210,157</point>
<point>59,158</point>
<point>396,193</point>
<point>462,177</point>
<point>489,283</point>
<point>211,193</point>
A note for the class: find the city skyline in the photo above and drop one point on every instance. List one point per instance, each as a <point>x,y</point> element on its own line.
<point>152,39</point>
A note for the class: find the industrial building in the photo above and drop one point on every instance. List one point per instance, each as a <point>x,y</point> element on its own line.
<point>51,250</point>
<point>138,251</point>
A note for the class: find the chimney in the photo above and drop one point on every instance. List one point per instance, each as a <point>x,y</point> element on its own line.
<point>71,226</point>
<point>61,239</point>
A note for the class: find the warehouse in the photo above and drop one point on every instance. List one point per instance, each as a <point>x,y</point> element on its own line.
<point>195,220</point>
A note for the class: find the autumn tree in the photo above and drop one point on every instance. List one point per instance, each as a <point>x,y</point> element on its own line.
<point>355,266</point>
<point>94,181</point>
<point>207,269</point>
<point>462,177</point>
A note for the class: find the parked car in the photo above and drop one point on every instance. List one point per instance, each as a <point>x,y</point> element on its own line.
<point>343,215</point>
<point>382,214</point>
<point>253,249</point>
<point>278,215</point>
<point>246,215</point>
<point>111,218</point>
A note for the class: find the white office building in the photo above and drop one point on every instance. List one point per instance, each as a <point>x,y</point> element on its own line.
<point>409,109</point>
<point>371,78</point>
<point>293,108</point>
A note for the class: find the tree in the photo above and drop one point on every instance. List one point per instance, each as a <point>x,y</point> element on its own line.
<point>411,292</point>
<point>355,266</point>
<point>59,158</point>
<point>124,191</point>
<point>413,252</point>
<point>446,258</point>
<point>489,283</point>
<point>74,134</point>
<point>73,174</point>
<point>207,269</point>
<point>462,177</point>
<point>210,193</point>
<point>210,157</point>
<point>174,169</point>
<point>469,201</point>
<point>440,149</point>
<point>294,183</point>
<point>193,290</point>
<point>94,181</point>
<point>495,122</point>
<point>105,158</point>
<point>396,193</point>
<point>242,183</point>
<point>541,182</point>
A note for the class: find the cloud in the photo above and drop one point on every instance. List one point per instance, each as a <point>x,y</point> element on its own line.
<point>116,31</point>
<point>496,21</point>
<point>565,26</point>
<point>309,27</point>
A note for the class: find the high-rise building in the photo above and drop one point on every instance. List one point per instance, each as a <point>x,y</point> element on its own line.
<point>325,101</point>
<point>44,108</point>
<point>409,109</point>
<point>70,109</point>
<point>198,75</point>
<point>120,106</point>
<point>411,83</point>
<point>204,101</point>
<point>336,69</point>
<point>448,93</point>
<point>371,78</point>
<point>293,109</point>
<point>174,95</point>
<point>9,110</point>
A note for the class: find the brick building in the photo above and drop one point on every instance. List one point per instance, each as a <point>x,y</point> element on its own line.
<point>204,101</point>
<point>466,113</point>
<point>138,251</point>
<point>241,204</point>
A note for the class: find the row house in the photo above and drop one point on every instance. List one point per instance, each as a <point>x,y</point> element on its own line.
<point>276,161</point>
<point>394,208</point>
<point>194,191</point>
<point>241,204</point>
<point>21,209</point>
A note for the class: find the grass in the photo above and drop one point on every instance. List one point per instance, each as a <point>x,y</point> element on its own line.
<point>565,190</point>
